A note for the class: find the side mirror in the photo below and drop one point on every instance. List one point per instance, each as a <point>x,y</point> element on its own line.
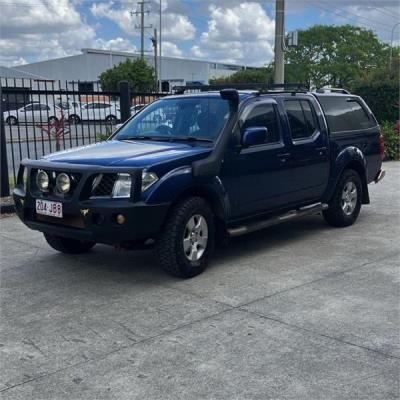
<point>254,136</point>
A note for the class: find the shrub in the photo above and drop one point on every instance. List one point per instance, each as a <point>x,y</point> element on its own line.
<point>382,98</point>
<point>392,140</point>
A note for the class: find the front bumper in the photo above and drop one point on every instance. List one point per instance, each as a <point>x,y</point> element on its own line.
<point>95,220</point>
<point>92,219</point>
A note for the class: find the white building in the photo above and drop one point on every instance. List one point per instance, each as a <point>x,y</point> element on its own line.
<point>87,66</point>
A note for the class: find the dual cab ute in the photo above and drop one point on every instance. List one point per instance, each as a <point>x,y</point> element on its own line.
<point>191,169</point>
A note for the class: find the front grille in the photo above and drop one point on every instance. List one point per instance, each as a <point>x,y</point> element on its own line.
<point>103,185</point>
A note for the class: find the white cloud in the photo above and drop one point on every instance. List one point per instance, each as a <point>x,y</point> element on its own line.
<point>196,52</point>
<point>117,44</point>
<point>175,26</point>
<point>38,30</point>
<point>37,16</point>
<point>240,34</point>
<point>171,50</point>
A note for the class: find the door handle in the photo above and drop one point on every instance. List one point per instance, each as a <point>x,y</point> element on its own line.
<point>284,156</point>
<point>321,150</point>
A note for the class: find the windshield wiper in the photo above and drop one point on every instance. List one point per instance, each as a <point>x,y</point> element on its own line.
<point>145,138</point>
<point>191,139</point>
<point>169,138</point>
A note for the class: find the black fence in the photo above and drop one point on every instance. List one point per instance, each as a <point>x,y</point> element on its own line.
<point>40,117</point>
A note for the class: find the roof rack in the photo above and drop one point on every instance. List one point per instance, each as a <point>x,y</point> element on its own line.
<point>257,87</point>
<point>332,90</point>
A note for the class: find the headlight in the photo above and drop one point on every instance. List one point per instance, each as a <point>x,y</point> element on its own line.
<point>122,186</point>
<point>63,183</point>
<point>148,178</point>
<point>42,180</point>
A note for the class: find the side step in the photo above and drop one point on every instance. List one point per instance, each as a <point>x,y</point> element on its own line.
<point>289,216</point>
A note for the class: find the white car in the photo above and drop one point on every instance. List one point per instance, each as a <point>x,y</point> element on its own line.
<point>72,110</point>
<point>100,111</point>
<point>34,113</point>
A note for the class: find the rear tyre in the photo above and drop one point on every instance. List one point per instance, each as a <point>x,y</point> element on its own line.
<point>67,245</point>
<point>346,202</point>
<point>187,240</point>
<point>11,121</point>
<point>53,120</point>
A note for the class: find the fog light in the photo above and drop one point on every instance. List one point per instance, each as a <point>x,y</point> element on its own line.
<point>42,180</point>
<point>120,219</point>
<point>63,183</point>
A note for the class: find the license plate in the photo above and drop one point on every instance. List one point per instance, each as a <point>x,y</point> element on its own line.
<point>50,208</point>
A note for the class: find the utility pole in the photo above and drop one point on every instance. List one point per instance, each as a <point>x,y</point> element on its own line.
<point>154,41</point>
<point>279,70</point>
<point>142,27</point>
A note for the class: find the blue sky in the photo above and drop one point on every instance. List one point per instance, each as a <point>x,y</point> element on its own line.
<point>233,31</point>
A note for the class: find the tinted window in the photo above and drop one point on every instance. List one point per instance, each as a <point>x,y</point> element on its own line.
<point>301,118</point>
<point>43,107</point>
<point>264,115</point>
<point>345,114</point>
<point>97,106</point>
<point>29,108</point>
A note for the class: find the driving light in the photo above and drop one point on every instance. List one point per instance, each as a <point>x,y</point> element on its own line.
<point>148,178</point>
<point>42,180</point>
<point>122,186</point>
<point>63,183</point>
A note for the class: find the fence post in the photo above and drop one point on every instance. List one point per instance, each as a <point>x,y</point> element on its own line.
<point>124,100</point>
<point>5,185</point>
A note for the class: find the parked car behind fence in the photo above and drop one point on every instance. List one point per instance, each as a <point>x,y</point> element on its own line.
<point>33,112</point>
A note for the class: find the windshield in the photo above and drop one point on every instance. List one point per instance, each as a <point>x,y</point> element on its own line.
<point>187,118</point>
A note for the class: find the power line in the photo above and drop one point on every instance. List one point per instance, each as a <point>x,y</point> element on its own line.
<point>337,12</point>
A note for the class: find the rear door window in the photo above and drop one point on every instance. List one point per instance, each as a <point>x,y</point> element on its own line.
<point>301,118</point>
<point>345,114</point>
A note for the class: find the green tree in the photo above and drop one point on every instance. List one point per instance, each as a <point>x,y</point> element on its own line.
<point>138,73</point>
<point>334,55</point>
<point>379,87</point>
<point>253,75</point>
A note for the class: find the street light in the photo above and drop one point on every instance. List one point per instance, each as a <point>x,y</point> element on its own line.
<point>391,46</point>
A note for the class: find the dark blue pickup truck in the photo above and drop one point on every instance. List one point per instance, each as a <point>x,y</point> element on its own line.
<point>190,170</point>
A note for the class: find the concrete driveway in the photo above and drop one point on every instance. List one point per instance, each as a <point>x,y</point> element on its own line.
<point>298,311</point>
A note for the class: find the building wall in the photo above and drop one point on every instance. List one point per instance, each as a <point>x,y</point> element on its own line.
<point>91,63</point>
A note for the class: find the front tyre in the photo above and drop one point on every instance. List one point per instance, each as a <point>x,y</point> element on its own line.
<point>67,245</point>
<point>11,121</point>
<point>346,202</point>
<point>187,240</point>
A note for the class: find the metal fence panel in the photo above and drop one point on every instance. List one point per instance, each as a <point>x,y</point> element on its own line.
<point>41,117</point>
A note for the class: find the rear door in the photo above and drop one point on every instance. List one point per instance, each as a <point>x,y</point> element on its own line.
<point>308,151</point>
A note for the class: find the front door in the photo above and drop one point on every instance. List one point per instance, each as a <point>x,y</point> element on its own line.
<point>255,177</point>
